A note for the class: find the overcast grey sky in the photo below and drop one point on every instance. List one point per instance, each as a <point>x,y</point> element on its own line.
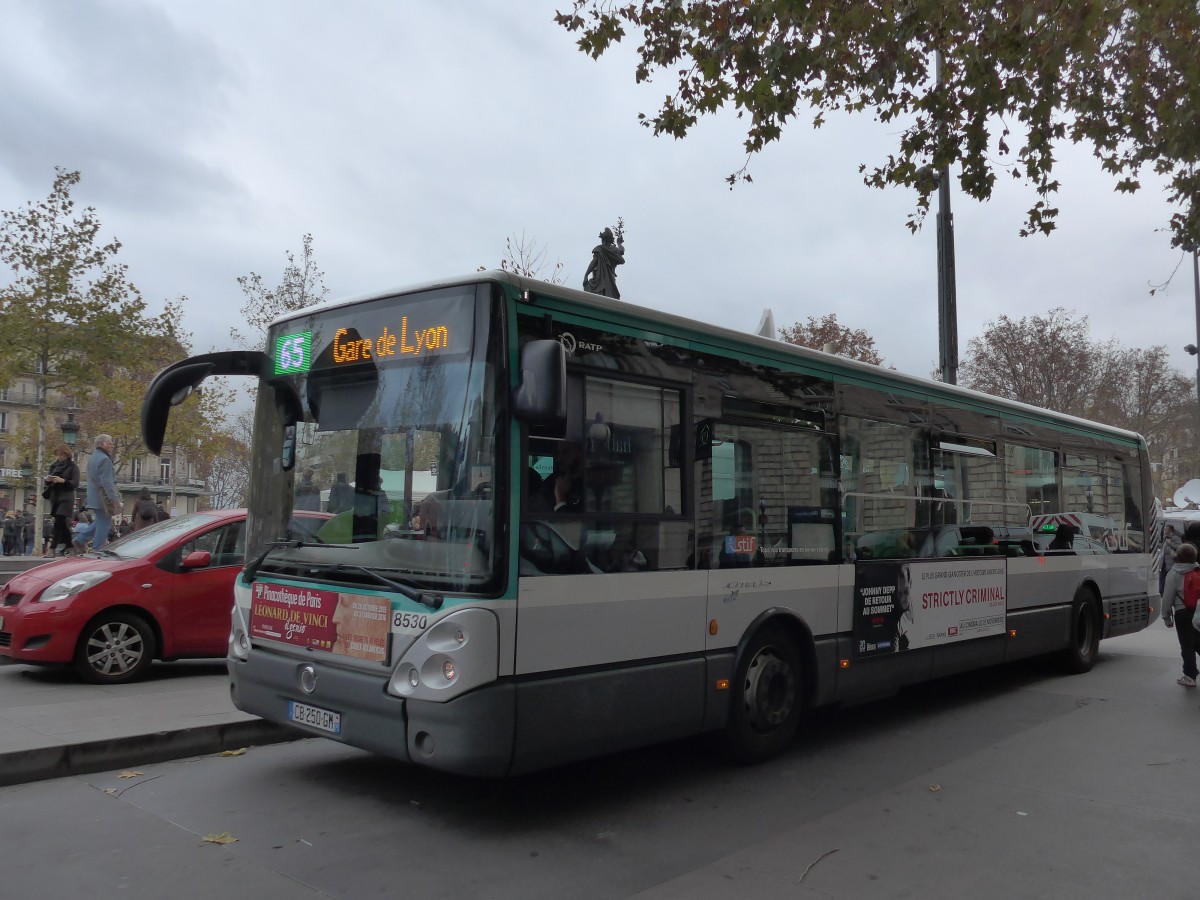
<point>410,138</point>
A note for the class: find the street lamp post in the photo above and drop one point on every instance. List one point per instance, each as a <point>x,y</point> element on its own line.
<point>70,430</point>
<point>30,501</point>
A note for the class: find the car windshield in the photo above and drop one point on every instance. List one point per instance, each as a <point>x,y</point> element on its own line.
<point>146,541</point>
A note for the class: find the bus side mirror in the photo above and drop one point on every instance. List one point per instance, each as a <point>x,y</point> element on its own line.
<point>178,381</point>
<point>540,398</point>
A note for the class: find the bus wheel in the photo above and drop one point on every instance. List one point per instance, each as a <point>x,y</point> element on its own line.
<point>1080,654</point>
<point>767,698</point>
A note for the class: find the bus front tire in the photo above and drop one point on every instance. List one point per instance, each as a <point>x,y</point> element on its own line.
<point>1084,645</point>
<point>767,697</point>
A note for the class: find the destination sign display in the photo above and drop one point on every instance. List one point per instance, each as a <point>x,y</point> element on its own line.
<point>380,333</point>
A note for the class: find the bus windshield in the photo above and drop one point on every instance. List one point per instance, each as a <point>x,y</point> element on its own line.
<point>396,443</point>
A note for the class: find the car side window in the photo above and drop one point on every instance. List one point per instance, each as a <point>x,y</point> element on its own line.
<point>227,545</point>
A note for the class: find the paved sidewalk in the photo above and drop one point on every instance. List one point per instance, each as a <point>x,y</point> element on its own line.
<point>51,724</point>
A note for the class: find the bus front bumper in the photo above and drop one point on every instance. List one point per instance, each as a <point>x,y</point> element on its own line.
<point>469,735</point>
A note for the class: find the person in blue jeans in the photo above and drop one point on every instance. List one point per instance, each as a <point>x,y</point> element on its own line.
<point>81,533</point>
<point>102,497</point>
<point>1177,614</point>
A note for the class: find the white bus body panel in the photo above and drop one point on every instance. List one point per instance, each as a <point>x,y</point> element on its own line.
<point>575,621</point>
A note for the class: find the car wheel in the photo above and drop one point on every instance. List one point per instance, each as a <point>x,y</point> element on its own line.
<point>114,648</point>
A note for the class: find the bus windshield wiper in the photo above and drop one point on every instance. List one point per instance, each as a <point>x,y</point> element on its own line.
<point>251,571</point>
<point>433,601</point>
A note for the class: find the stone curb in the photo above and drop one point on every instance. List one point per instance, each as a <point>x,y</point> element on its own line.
<point>23,766</point>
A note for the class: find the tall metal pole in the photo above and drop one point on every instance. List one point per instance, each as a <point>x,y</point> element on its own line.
<point>1196,290</point>
<point>947,298</point>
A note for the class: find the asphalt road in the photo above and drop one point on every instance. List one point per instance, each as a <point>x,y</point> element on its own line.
<point>1014,782</point>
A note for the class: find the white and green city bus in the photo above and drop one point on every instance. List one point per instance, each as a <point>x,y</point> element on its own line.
<point>565,525</point>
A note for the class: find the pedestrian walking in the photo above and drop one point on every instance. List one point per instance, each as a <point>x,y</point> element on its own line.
<point>308,493</point>
<point>10,532</point>
<point>19,533</point>
<point>102,497</point>
<point>1171,542</point>
<point>61,483</point>
<point>1181,593</point>
<point>143,510</point>
<point>341,494</point>
<point>30,527</point>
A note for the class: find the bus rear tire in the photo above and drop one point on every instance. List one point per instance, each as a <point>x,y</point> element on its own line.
<point>1084,645</point>
<point>767,697</point>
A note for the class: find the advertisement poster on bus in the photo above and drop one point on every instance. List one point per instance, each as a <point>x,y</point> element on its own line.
<point>353,625</point>
<point>904,605</point>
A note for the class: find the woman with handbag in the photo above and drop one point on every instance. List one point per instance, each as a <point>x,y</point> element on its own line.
<point>61,483</point>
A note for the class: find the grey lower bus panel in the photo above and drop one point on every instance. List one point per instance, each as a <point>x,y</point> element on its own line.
<point>470,735</point>
<point>1037,632</point>
<point>504,728</point>
<point>576,716</point>
<point>1126,615</point>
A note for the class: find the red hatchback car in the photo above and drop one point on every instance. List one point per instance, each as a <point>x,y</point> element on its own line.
<point>164,592</point>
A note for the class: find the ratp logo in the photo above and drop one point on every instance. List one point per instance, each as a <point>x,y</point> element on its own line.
<point>570,344</point>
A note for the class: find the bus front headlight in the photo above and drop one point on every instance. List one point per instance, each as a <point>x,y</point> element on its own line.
<point>458,654</point>
<point>239,634</point>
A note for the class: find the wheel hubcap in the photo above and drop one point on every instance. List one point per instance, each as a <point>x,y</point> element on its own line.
<point>769,691</point>
<point>115,648</point>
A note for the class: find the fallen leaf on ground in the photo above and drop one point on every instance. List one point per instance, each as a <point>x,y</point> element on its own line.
<point>110,790</point>
<point>232,752</point>
<point>130,773</point>
<point>814,862</point>
<point>223,838</point>
<point>934,788</point>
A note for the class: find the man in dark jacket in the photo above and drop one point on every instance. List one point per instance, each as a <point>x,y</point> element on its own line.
<point>10,532</point>
<point>19,534</point>
<point>341,494</point>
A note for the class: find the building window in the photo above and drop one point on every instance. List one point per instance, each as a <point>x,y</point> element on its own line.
<point>164,470</point>
<point>135,470</point>
<point>6,422</point>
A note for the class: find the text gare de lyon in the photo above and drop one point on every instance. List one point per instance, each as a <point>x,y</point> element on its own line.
<point>406,343</point>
